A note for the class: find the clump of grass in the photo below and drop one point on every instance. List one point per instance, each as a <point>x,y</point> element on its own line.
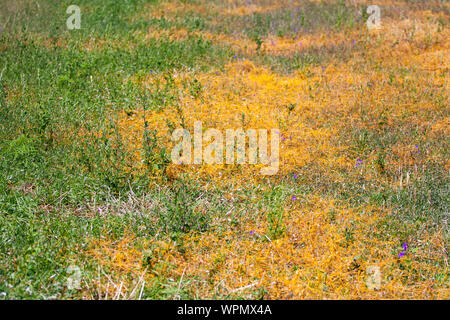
<point>156,157</point>
<point>182,215</point>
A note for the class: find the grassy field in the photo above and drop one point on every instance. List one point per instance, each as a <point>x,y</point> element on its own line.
<point>88,192</point>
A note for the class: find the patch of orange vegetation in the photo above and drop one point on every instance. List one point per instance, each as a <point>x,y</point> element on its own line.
<point>327,248</point>
<point>171,9</point>
<point>246,96</point>
<point>274,46</point>
<point>118,261</point>
<point>325,253</point>
<point>124,266</point>
<point>283,46</point>
<point>316,259</point>
<point>176,34</point>
<point>241,10</point>
<point>441,127</point>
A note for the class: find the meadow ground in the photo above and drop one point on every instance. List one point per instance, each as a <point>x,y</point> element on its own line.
<point>358,209</point>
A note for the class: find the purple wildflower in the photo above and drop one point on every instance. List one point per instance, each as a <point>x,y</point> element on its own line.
<point>294,198</point>
<point>405,247</point>
<point>295,176</point>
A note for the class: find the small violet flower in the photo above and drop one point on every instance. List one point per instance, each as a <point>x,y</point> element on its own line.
<point>405,247</point>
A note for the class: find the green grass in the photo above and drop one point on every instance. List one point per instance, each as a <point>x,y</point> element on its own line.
<point>53,102</point>
<point>62,184</point>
